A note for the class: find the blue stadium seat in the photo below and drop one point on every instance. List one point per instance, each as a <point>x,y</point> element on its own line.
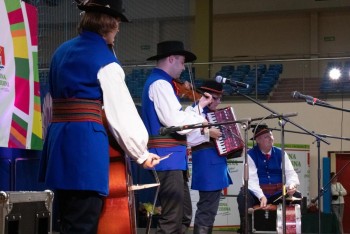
<point>277,67</point>
<point>245,68</point>
<point>264,89</point>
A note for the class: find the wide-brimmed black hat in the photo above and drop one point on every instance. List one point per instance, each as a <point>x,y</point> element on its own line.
<point>110,7</point>
<point>167,48</point>
<point>259,130</point>
<point>211,86</point>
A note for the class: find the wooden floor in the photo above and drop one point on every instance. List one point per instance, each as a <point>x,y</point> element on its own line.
<point>143,231</point>
<point>153,230</point>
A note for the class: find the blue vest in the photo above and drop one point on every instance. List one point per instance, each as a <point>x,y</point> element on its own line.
<point>178,159</point>
<point>75,154</point>
<point>269,171</point>
<point>209,169</point>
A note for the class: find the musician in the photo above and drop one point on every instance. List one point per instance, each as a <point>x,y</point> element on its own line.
<point>265,175</point>
<point>338,192</point>
<point>209,170</point>
<point>161,108</point>
<point>75,158</point>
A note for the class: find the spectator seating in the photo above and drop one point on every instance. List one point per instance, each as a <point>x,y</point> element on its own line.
<point>260,77</point>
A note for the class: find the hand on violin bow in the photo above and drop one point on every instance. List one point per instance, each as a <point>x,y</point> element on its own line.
<point>205,100</point>
<point>151,161</point>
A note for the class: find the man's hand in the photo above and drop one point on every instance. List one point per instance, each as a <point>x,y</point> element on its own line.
<point>263,202</point>
<point>151,161</point>
<point>214,132</point>
<point>291,189</point>
<point>205,100</point>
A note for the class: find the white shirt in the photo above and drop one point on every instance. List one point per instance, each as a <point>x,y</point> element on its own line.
<point>253,182</point>
<point>169,109</point>
<point>340,191</point>
<point>196,137</point>
<point>123,119</point>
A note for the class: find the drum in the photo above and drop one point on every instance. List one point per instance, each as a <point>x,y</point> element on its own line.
<point>264,220</point>
<point>293,219</point>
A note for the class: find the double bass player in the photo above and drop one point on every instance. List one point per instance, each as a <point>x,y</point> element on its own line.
<point>84,75</point>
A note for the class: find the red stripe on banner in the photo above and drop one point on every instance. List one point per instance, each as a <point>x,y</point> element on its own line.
<point>14,143</point>
<point>19,129</point>
<point>33,23</point>
<point>16,16</point>
<point>37,89</point>
<point>22,94</point>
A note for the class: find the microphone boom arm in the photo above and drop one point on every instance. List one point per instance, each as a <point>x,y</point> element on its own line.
<point>166,130</point>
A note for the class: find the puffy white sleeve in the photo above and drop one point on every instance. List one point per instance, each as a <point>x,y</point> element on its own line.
<point>196,137</point>
<point>123,119</point>
<point>169,109</point>
<point>253,183</point>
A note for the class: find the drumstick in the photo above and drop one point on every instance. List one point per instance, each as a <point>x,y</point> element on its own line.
<point>251,210</point>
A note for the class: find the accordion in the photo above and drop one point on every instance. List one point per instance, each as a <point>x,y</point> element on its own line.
<point>230,144</point>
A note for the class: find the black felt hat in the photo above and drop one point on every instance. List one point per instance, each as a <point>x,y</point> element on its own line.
<point>259,130</point>
<point>110,7</point>
<point>167,48</point>
<point>212,86</point>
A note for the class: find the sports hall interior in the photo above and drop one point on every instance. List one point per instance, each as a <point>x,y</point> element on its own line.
<point>277,47</point>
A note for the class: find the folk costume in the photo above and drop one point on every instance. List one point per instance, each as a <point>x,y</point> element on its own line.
<point>161,108</point>
<point>210,173</point>
<point>84,75</point>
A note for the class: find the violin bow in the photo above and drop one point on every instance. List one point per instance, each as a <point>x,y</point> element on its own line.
<point>189,67</point>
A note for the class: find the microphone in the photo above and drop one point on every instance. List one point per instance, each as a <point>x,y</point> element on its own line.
<point>223,80</point>
<point>309,99</point>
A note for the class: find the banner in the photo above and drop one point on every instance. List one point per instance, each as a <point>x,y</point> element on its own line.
<point>228,216</point>
<point>20,109</point>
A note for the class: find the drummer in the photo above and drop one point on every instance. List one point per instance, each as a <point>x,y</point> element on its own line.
<point>265,175</point>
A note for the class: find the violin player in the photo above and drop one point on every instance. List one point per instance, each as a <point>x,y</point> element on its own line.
<point>84,75</point>
<point>161,108</point>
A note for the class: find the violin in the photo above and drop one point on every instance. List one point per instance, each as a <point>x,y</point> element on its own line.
<point>185,89</point>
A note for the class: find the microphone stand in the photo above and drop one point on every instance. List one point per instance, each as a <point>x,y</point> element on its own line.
<point>235,89</point>
<point>314,102</point>
<point>166,130</point>
<point>326,186</point>
<point>246,125</point>
<point>282,123</point>
<point>311,102</point>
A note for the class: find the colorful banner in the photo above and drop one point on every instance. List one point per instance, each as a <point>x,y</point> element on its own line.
<point>228,216</point>
<point>20,109</point>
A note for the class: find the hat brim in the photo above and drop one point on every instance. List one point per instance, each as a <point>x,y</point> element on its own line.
<point>104,10</point>
<point>205,89</point>
<point>266,130</point>
<point>189,57</point>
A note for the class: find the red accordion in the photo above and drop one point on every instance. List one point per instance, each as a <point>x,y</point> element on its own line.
<point>230,144</point>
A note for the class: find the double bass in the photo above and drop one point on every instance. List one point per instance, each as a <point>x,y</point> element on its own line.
<point>118,215</point>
